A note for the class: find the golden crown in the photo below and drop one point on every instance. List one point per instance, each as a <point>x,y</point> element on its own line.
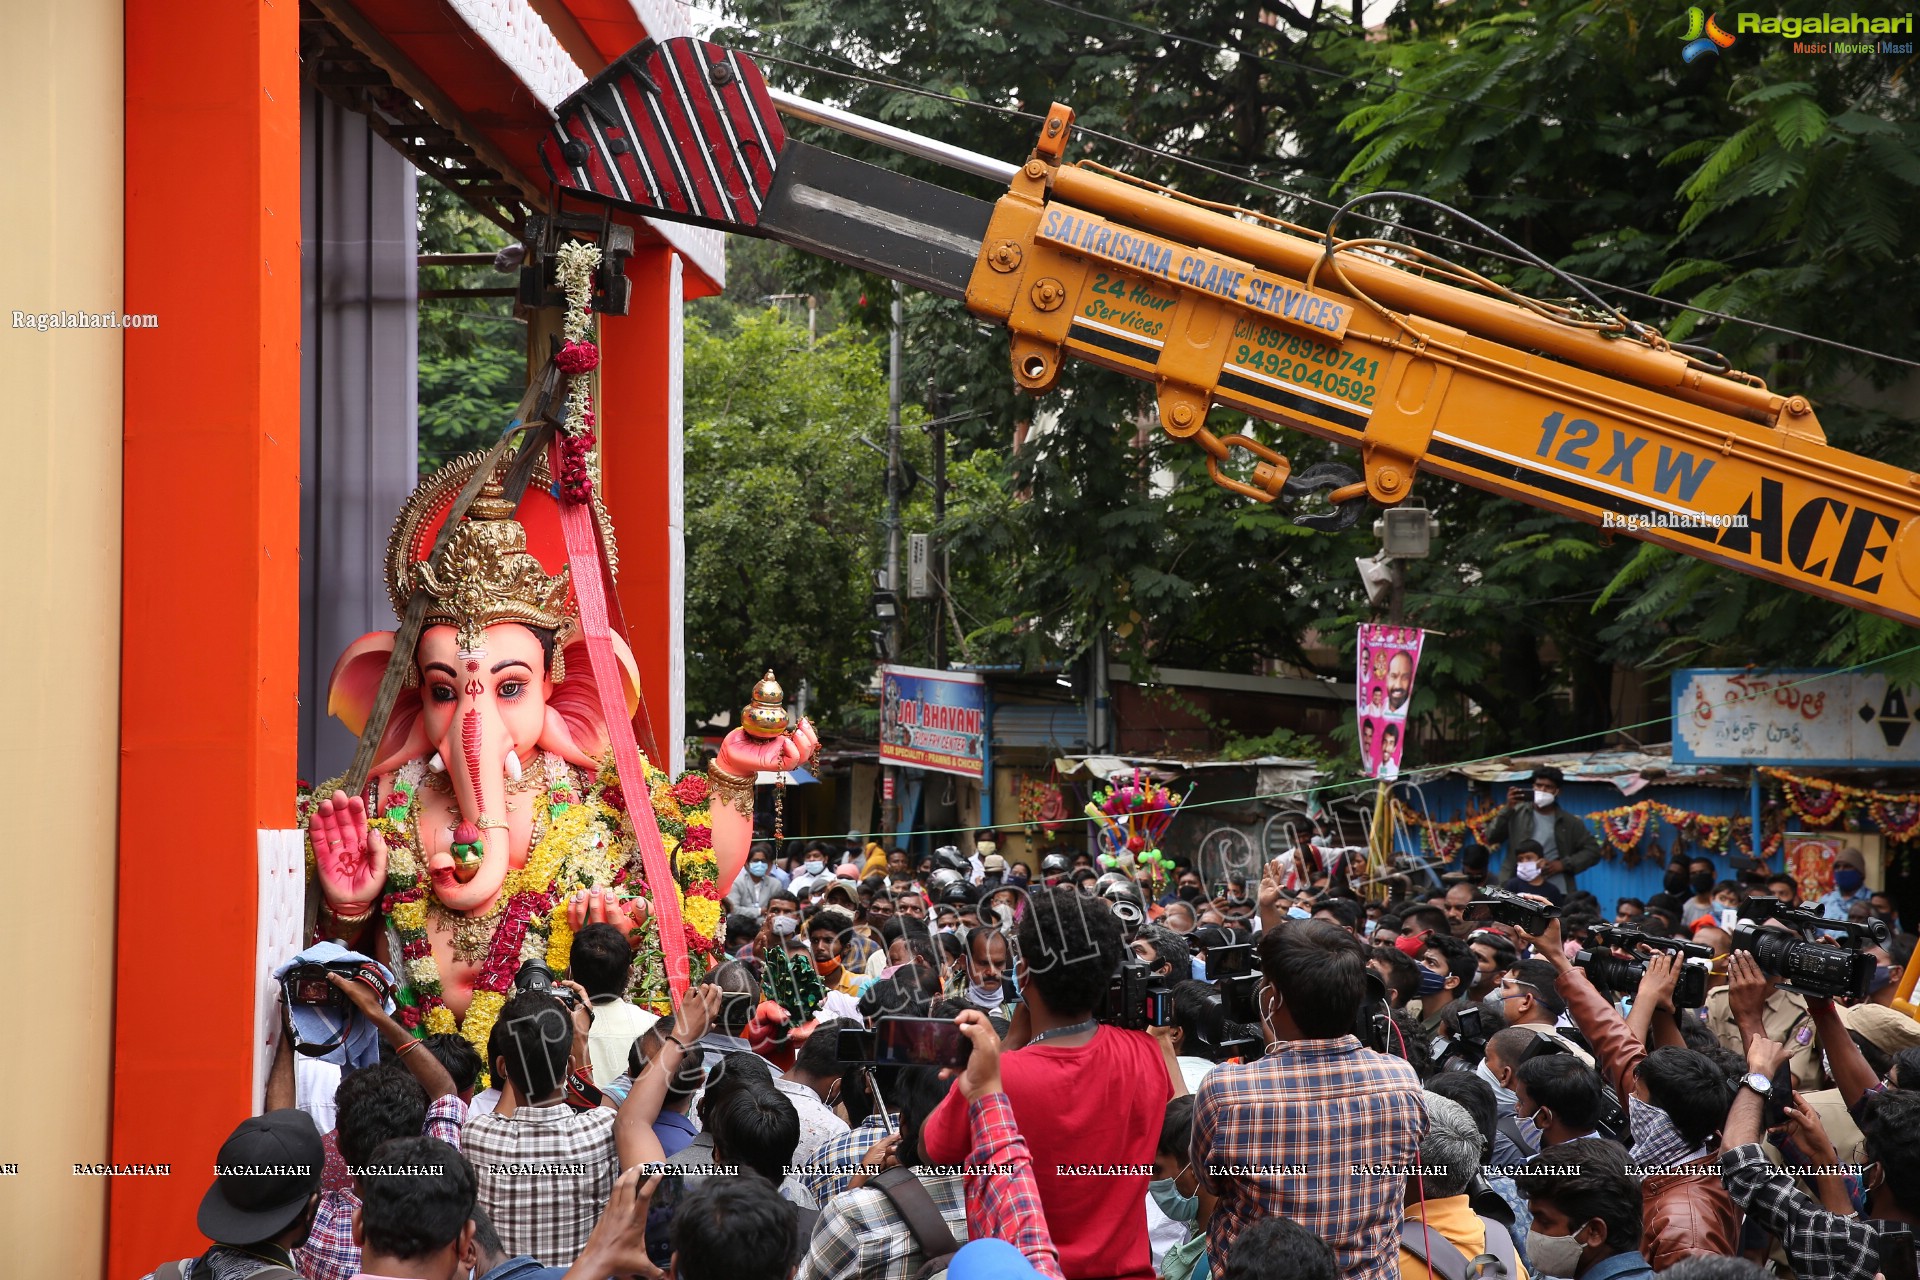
<point>485,574</point>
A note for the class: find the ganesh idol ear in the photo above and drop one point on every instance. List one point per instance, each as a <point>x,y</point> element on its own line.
<point>351,692</point>
<point>576,729</point>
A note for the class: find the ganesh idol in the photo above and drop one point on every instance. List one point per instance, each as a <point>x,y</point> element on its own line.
<point>493,824</point>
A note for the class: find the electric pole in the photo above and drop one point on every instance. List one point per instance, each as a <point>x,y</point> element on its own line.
<point>889,804</point>
<point>938,557</point>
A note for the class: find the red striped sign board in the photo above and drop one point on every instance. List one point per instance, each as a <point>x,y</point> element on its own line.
<point>679,128</point>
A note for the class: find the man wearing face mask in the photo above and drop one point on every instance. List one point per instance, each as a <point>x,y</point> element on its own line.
<point>1700,880</point>
<point>1586,1215</point>
<point>1527,997</point>
<point>1849,885</point>
<point>1180,1247</point>
<point>814,874</point>
<point>1447,969</point>
<point>751,891</point>
<point>1567,846</point>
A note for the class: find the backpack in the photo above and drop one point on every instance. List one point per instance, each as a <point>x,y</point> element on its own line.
<point>922,1216</point>
<point>1448,1262</point>
<point>178,1270</point>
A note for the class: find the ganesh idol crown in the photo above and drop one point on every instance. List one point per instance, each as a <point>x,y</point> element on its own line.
<point>493,823</point>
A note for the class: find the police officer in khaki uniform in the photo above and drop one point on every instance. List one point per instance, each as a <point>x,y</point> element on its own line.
<point>1786,1020</point>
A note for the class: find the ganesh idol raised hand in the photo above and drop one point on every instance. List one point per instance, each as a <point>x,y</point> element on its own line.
<point>493,825</point>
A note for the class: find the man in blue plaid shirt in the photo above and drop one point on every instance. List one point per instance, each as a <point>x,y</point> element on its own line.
<point>1317,1129</point>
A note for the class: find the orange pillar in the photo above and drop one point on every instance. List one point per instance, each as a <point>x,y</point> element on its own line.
<point>638,422</point>
<point>210,591</point>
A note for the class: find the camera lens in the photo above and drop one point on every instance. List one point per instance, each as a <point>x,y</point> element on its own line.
<point>1812,967</point>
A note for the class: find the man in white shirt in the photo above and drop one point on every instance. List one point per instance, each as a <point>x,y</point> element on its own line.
<point>601,961</point>
<point>813,1086</point>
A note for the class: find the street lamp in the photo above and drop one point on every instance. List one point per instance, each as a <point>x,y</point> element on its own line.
<point>886,606</point>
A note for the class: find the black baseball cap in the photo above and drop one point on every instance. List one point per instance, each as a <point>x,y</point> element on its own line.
<point>267,1170</point>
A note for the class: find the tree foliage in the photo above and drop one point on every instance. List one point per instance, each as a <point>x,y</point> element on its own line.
<point>472,352</point>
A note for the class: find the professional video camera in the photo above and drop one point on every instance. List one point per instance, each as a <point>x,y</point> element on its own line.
<point>1510,908</point>
<point>1612,973</point>
<point>1374,1025</point>
<point>1134,1001</point>
<point>1230,970</point>
<point>1464,1049</point>
<point>1811,968</point>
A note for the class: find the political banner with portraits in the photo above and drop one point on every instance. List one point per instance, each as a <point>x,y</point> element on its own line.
<point>1388,657</point>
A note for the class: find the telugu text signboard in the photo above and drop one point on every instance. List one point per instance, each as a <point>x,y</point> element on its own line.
<point>1737,715</point>
<point>933,720</point>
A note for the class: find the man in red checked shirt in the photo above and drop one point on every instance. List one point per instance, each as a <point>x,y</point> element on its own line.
<point>1082,1093</point>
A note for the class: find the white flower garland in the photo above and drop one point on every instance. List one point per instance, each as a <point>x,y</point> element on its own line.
<point>575,265</point>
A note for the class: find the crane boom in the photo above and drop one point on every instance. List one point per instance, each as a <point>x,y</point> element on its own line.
<point>1415,363</point>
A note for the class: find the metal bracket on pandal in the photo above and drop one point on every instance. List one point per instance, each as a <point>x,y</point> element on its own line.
<point>546,232</point>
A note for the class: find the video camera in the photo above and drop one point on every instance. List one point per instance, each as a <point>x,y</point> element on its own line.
<point>1135,1000</point>
<point>1612,973</point>
<point>1464,1050</point>
<point>1230,970</point>
<point>1502,907</point>
<point>1811,968</point>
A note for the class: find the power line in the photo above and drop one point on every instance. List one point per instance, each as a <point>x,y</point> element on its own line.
<point>1201,166</point>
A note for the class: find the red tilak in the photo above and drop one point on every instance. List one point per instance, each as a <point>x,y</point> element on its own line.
<point>475,688</point>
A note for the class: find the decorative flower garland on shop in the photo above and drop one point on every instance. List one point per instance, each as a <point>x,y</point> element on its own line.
<point>1622,830</point>
<point>578,831</point>
<point>1819,802</point>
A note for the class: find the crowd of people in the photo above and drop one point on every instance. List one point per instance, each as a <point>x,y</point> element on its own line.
<point>1158,1077</point>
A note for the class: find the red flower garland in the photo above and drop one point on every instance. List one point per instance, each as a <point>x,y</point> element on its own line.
<point>697,839</point>
<point>691,789</point>
<point>576,480</point>
<point>578,357</point>
<point>503,958</point>
<point>704,889</point>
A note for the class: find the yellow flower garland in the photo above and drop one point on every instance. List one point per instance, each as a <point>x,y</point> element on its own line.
<point>440,1022</point>
<point>560,941</point>
<point>482,1011</point>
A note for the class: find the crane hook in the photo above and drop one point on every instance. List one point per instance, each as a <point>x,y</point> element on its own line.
<point>1332,476</point>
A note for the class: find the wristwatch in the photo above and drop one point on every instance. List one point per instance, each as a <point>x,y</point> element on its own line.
<point>1760,1083</point>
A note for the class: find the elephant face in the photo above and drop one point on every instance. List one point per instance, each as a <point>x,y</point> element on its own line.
<point>484,713</point>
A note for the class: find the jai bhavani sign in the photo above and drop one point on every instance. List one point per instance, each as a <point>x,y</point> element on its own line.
<point>1739,715</point>
<point>933,720</point>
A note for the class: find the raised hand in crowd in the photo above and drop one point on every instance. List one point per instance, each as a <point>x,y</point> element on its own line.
<point>1655,996</point>
<point>413,1054</point>
<point>982,1074</point>
<point>618,1245</point>
<point>1273,889</point>
<point>1747,992</point>
<point>1546,944</point>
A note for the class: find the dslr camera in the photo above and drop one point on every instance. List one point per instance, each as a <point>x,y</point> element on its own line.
<point>1811,968</point>
<point>1612,973</point>
<point>533,975</point>
<point>1499,906</point>
<point>307,984</point>
<point>1135,1000</point>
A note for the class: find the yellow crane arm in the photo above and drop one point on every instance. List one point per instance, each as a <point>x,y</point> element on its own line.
<point>1358,343</point>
